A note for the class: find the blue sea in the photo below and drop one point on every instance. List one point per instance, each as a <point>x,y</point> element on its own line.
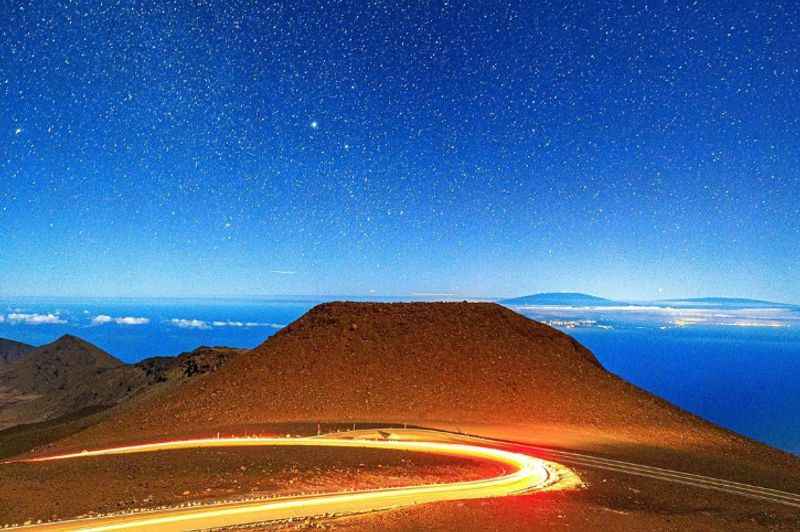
<point>744,380</point>
<point>133,329</point>
<point>736,367</point>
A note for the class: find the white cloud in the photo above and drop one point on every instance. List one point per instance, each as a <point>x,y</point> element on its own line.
<point>132,320</point>
<point>667,317</point>
<point>202,324</point>
<point>2,318</point>
<point>189,324</point>
<point>102,319</point>
<point>283,272</point>
<point>229,323</point>
<point>35,319</point>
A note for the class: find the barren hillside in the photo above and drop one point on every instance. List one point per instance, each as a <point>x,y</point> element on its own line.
<point>474,367</point>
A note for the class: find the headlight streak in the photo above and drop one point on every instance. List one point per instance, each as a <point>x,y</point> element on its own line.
<point>529,473</point>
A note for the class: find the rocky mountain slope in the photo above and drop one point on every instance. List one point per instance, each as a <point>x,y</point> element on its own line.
<point>186,365</point>
<point>472,367</point>
<point>11,351</point>
<point>71,375</point>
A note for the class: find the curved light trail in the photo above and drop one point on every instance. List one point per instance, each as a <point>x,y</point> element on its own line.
<point>528,473</point>
<point>599,462</point>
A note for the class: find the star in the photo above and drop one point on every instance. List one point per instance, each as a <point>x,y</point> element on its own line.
<point>314,124</point>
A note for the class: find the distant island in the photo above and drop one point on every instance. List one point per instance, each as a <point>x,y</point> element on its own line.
<point>573,299</point>
<point>578,299</point>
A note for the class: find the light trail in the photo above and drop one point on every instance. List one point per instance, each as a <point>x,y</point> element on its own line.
<point>528,473</point>
<point>598,462</point>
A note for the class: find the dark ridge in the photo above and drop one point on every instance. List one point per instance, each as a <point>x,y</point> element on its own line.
<point>71,375</point>
<point>11,350</point>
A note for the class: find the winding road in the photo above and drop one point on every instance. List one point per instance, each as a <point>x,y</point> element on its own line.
<point>528,473</point>
<point>595,462</point>
<point>533,467</point>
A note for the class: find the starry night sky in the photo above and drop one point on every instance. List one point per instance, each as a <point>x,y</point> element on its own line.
<point>630,149</point>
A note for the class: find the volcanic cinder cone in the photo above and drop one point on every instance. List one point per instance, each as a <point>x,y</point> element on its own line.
<point>474,367</point>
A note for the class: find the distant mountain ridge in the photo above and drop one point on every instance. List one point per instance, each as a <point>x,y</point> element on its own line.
<point>71,375</point>
<point>561,298</point>
<point>578,299</point>
<point>62,377</point>
<point>11,350</point>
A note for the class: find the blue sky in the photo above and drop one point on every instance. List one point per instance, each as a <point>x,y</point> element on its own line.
<point>634,151</point>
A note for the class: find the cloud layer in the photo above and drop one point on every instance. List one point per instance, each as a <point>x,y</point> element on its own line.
<point>55,318</point>
<point>663,316</point>
<point>102,319</point>
<point>35,319</point>
<point>189,324</point>
<point>246,324</point>
<point>202,324</point>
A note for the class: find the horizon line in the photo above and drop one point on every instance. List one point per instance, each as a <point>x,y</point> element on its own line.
<point>412,295</point>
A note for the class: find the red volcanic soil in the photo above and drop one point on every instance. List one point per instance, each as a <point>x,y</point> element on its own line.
<point>482,369</point>
<point>476,367</point>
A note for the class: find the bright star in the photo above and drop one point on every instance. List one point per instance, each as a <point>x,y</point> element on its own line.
<point>314,124</point>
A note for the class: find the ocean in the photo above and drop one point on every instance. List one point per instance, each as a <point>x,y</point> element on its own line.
<point>744,380</point>
<point>735,367</point>
<point>133,329</point>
